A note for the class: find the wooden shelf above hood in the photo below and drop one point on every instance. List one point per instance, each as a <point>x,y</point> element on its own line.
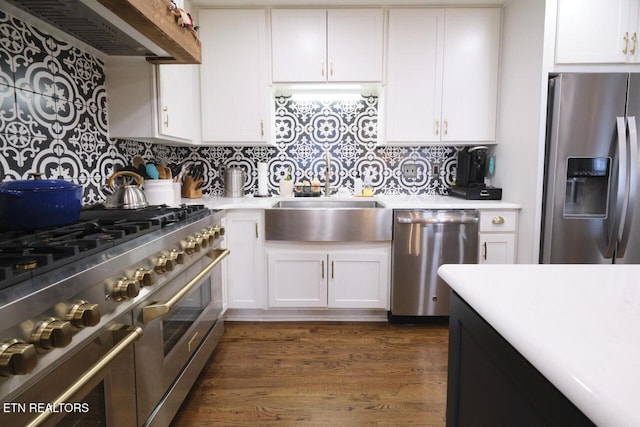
<point>154,20</point>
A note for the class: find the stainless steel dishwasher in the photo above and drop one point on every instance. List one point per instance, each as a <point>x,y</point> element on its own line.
<point>422,241</point>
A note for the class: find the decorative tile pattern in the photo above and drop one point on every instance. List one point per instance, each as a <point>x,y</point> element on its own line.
<point>53,119</point>
<point>308,127</point>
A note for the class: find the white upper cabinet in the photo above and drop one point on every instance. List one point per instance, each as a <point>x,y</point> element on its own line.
<point>442,76</point>
<point>176,100</point>
<point>470,75</point>
<point>354,43</point>
<point>299,45</point>
<point>236,98</point>
<point>336,45</point>
<point>597,31</point>
<point>413,94</point>
<point>149,102</point>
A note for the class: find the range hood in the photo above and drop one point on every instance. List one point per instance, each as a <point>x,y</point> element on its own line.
<point>121,27</point>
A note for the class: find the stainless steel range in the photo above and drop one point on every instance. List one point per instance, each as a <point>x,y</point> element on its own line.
<point>109,321</point>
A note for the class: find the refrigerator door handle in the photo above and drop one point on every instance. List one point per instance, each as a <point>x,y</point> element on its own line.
<point>617,209</point>
<point>632,185</point>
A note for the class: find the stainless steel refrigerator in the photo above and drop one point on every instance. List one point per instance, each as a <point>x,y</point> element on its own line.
<point>590,204</point>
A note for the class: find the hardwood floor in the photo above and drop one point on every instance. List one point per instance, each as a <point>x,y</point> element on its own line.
<point>341,374</point>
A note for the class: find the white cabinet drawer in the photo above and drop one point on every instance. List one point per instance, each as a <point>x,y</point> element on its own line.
<point>498,221</point>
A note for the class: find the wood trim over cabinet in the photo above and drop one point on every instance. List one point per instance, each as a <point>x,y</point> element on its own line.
<point>154,19</point>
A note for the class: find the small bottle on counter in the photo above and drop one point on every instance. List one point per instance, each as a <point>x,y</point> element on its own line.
<point>357,187</point>
<point>367,187</point>
<point>315,185</point>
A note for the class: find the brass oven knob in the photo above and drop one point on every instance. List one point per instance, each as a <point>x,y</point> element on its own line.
<point>83,314</point>
<point>214,232</point>
<point>125,289</point>
<point>144,276</point>
<point>176,256</point>
<point>202,240</point>
<point>191,246</point>
<point>220,230</point>
<point>17,358</point>
<point>163,264</point>
<point>52,333</point>
<point>207,234</point>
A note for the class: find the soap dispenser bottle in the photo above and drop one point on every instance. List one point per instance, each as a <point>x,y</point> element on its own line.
<point>357,186</point>
<point>367,187</point>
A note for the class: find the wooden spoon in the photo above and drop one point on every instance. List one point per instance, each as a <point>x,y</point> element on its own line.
<point>138,161</point>
<point>162,172</point>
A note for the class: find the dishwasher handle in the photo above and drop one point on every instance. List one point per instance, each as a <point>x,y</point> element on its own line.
<point>427,217</point>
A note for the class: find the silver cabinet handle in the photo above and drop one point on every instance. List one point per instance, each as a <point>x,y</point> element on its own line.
<point>332,275</point>
<point>445,127</point>
<point>626,43</point>
<point>154,311</point>
<point>133,334</point>
<point>322,67</point>
<point>497,220</point>
<point>634,39</point>
<point>257,231</point>
<point>484,251</point>
<point>166,116</point>
<point>331,67</point>
<point>436,127</point>
<point>323,269</point>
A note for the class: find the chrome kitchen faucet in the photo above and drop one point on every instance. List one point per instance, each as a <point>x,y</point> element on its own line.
<point>327,175</point>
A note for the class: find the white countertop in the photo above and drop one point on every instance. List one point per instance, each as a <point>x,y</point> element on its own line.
<point>391,202</point>
<point>577,324</point>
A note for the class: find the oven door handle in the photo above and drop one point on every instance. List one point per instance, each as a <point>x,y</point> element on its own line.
<point>133,333</point>
<point>153,311</point>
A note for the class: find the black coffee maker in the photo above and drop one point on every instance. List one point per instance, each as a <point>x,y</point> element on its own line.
<point>471,170</point>
<point>472,166</point>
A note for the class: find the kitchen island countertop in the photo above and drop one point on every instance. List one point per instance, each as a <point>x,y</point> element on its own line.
<point>576,324</point>
<point>391,202</point>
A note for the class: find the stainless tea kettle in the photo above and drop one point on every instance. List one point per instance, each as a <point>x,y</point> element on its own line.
<point>234,181</point>
<point>126,196</point>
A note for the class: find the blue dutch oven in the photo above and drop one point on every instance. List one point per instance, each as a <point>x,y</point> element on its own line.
<point>39,203</point>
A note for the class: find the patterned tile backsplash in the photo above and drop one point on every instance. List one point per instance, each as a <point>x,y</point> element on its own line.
<point>53,119</point>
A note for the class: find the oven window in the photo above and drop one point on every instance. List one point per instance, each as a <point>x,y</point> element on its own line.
<point>95,416</point>
<point>181,318</point>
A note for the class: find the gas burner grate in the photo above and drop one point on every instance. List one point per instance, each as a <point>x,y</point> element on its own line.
<point>162,214</point>
<point>24,255</point>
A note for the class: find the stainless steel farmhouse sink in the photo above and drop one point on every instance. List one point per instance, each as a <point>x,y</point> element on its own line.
<point>327,203</point>
<point>323,220</point>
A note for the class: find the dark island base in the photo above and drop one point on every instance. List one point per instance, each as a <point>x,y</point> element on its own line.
<point>491,384</point>
<point>416,320</point>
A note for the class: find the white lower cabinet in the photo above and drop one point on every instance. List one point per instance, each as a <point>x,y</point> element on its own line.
<point>341,275</point>
<point>297,279</point>
<point>359,280</point>
<point>497,248</point>
<point>245,273</point>
<point>497,238</point>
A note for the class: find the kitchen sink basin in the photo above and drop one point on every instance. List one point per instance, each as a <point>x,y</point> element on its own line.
<point>326,220</point>
<point>327,204</point>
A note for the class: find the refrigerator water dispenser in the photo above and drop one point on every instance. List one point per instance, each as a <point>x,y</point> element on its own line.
<point>587,187</point>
